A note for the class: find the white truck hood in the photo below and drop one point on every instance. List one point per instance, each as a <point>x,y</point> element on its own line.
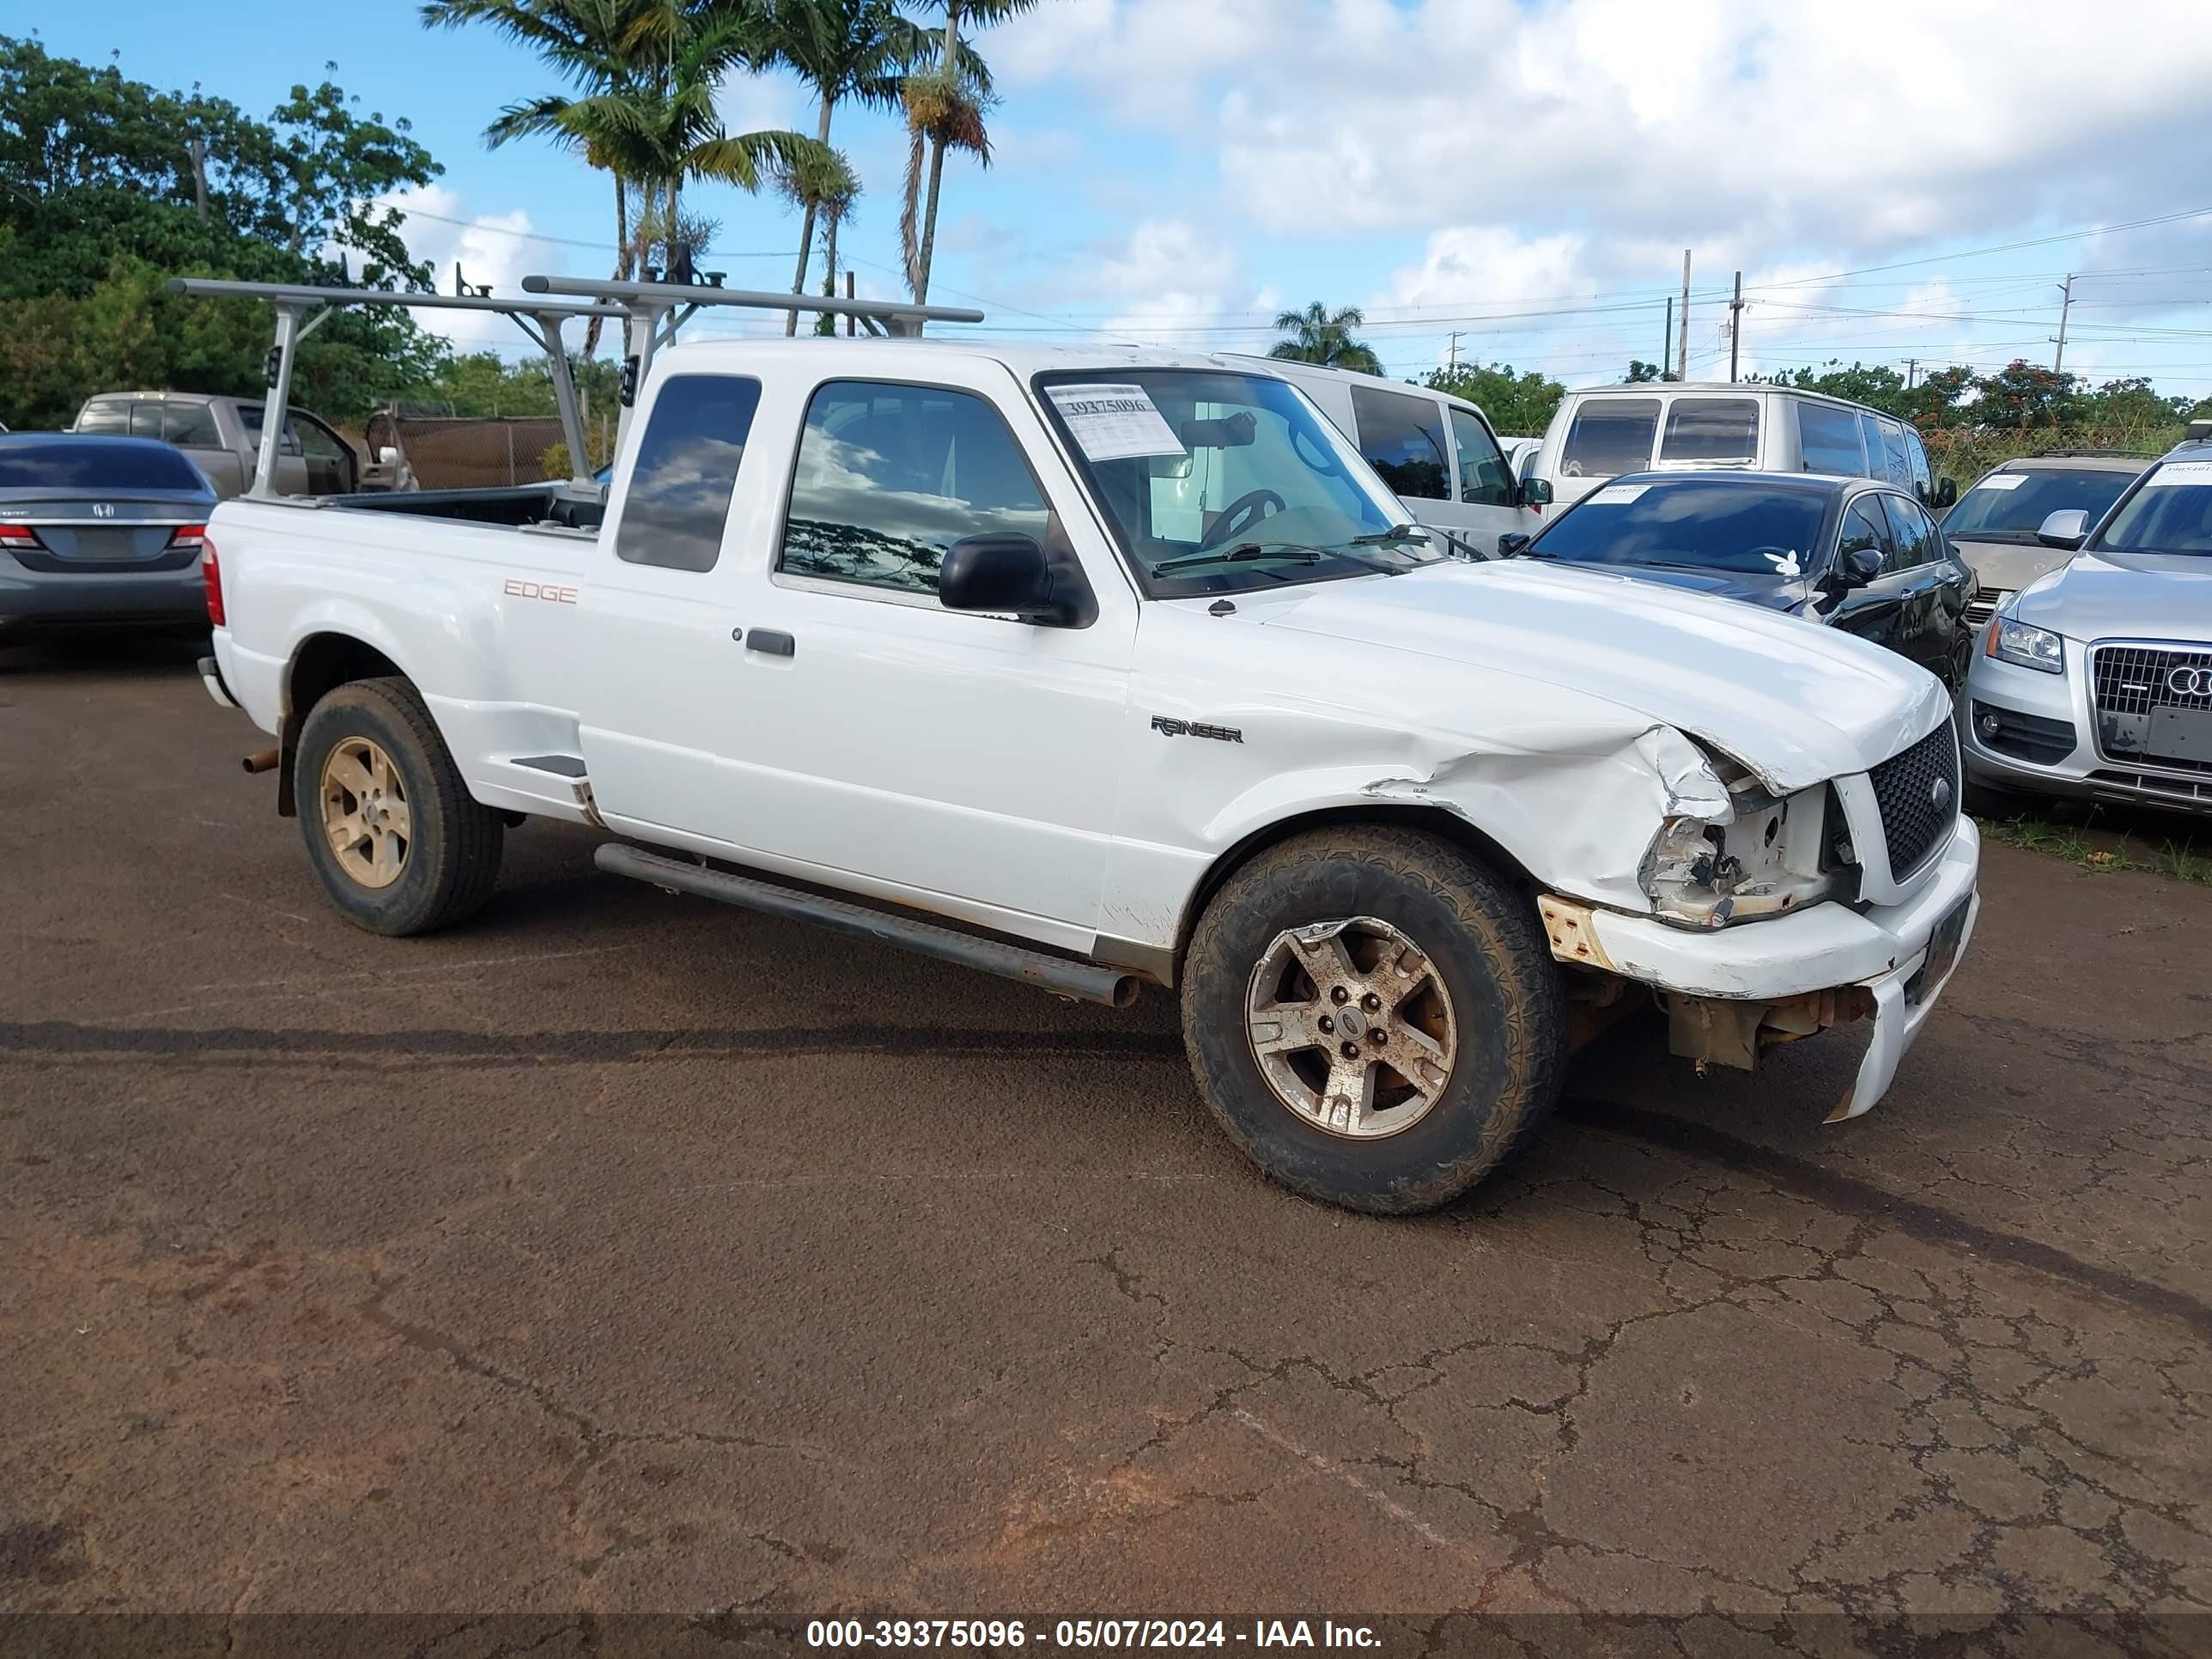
<point>1796,702</point>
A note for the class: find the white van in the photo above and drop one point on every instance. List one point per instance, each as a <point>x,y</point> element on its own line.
<point>1438,453</point>
<point>1669,426</point>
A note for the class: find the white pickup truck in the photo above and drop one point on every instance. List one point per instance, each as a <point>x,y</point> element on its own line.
<point>1107,666</point>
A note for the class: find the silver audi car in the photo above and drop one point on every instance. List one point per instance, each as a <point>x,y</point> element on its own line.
<point>2095,679</point>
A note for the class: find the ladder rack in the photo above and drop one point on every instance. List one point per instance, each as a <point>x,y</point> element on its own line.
<point>301,310</point>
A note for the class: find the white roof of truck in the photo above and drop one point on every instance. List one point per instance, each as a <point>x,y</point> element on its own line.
<point>1023,360</point>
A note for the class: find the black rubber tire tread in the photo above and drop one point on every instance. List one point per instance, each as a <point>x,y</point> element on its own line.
<point>1487,942</point>
<point>452,864</point>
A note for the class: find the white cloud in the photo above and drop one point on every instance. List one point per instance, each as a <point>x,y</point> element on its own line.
<point>1776,123</point>
<point>1490,265</point>
<point>1171,274</point>
<point>489,248</point>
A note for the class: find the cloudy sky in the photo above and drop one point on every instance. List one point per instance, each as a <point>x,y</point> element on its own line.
<point>1895,178</point>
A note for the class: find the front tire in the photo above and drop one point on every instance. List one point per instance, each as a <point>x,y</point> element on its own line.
<point>390,828</point>
<point>1374,1017</point>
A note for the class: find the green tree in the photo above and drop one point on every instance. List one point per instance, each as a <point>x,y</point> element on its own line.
<point>594,46</point>
<point>108,186</point>
<point>1318,335</point>
<point>847,52</point>
<point>1517,404</point>
<point>825,186</point>
<point>945,109</point>
<point>1639,372</point>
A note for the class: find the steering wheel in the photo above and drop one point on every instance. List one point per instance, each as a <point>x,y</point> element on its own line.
<point>1241,516</point>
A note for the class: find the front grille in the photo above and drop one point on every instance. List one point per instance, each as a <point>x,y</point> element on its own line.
<point>2129,683</point>
<point>1983,605</point>
<point>1918,793</point>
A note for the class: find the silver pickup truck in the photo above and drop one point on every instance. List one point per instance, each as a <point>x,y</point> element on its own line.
<point>223,435</point>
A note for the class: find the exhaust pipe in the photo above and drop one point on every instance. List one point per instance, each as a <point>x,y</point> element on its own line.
<point>1084,981</point>
<point>264,761</point>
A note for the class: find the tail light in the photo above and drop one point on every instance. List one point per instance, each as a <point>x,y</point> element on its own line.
<point>188,535</point>
<point>19,535</point>
<point>211,580</point>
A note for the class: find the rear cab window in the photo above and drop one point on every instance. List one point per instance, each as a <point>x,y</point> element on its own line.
<point>1711,432</point>
<point>686,468</point>
<point>1610,436</point>
<point>105,415</point>
<point>1828,440</point>
<point>190,426</point>
<point>1403,438</point>
<point>889,476</point>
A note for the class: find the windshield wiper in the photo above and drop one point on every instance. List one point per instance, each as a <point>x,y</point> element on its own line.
<point>1296,552</point>
<point>1391,538</point>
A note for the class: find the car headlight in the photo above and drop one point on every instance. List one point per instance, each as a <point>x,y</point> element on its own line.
<point>1766,857</point>
<point>2026,647</point>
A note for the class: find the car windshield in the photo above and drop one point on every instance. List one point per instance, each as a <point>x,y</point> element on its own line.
<point>2171,514</point>
<point>95,464</point>
<point>1690,524</point>
<point>2008,507</point>
<point>1218,483</point>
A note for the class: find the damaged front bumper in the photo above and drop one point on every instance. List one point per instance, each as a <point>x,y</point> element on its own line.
<point>1732,990</point>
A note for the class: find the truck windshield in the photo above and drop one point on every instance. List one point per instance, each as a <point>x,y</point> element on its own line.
<point>1690,524</point>
<point>2171,514</point>
<point>2008,507</point>
<point>1218,482</point>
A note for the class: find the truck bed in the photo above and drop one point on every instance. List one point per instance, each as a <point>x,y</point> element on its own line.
<point>550,503</point>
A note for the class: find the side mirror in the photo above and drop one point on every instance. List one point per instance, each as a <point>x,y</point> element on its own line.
<point>2068,528</point>
<point>1513,543</point>
<point>1009,574</point>
<point>1536,492</point>
<point>1947,494</point>
<point>387,455</point>
<point>1859,566</point>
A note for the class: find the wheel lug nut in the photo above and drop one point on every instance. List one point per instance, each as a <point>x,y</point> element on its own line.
<point>1377,1037</point>
<point>1338,993</point>
<point>1326,1024</point>
<point>1351,1051</point>
<point>1370,1002</point>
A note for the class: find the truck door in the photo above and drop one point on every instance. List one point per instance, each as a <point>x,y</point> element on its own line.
<point>970,757</point>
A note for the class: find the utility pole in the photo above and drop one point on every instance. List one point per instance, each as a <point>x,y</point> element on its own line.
<point>1682,340</point>
<point>2065,305</point>
<point>1735,325</point>
<point>1454,359</point>
<point>1911,370</point>
<point>196,148</point>
<point>1667,338</point>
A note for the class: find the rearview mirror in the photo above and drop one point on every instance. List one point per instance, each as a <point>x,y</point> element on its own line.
<point>2068,528</point>
<point>1009,574</point>
<point>1946,493</point>
<point>1536,492</point>
<point>1512,544</point>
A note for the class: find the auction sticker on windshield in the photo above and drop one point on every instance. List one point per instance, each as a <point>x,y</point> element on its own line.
<point>1114,423</point>
<point>2181,472</point>
<point>1618,494</point>
<point>2002,480</point>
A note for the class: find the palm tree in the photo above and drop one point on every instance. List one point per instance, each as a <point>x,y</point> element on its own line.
<point>1320,336</point>
<point>944,111</point>
<point>824,187</point>
<point>847,50</point>
<point>589,42</point>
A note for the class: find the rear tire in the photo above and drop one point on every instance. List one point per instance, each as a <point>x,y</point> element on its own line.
<point>398,843</point>
<point>1481,1026</point>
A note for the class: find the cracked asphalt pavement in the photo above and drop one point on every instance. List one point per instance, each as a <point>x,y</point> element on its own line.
<point>623,1252</point>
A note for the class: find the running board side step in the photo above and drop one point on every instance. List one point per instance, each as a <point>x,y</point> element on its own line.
<point>1084,981</point>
